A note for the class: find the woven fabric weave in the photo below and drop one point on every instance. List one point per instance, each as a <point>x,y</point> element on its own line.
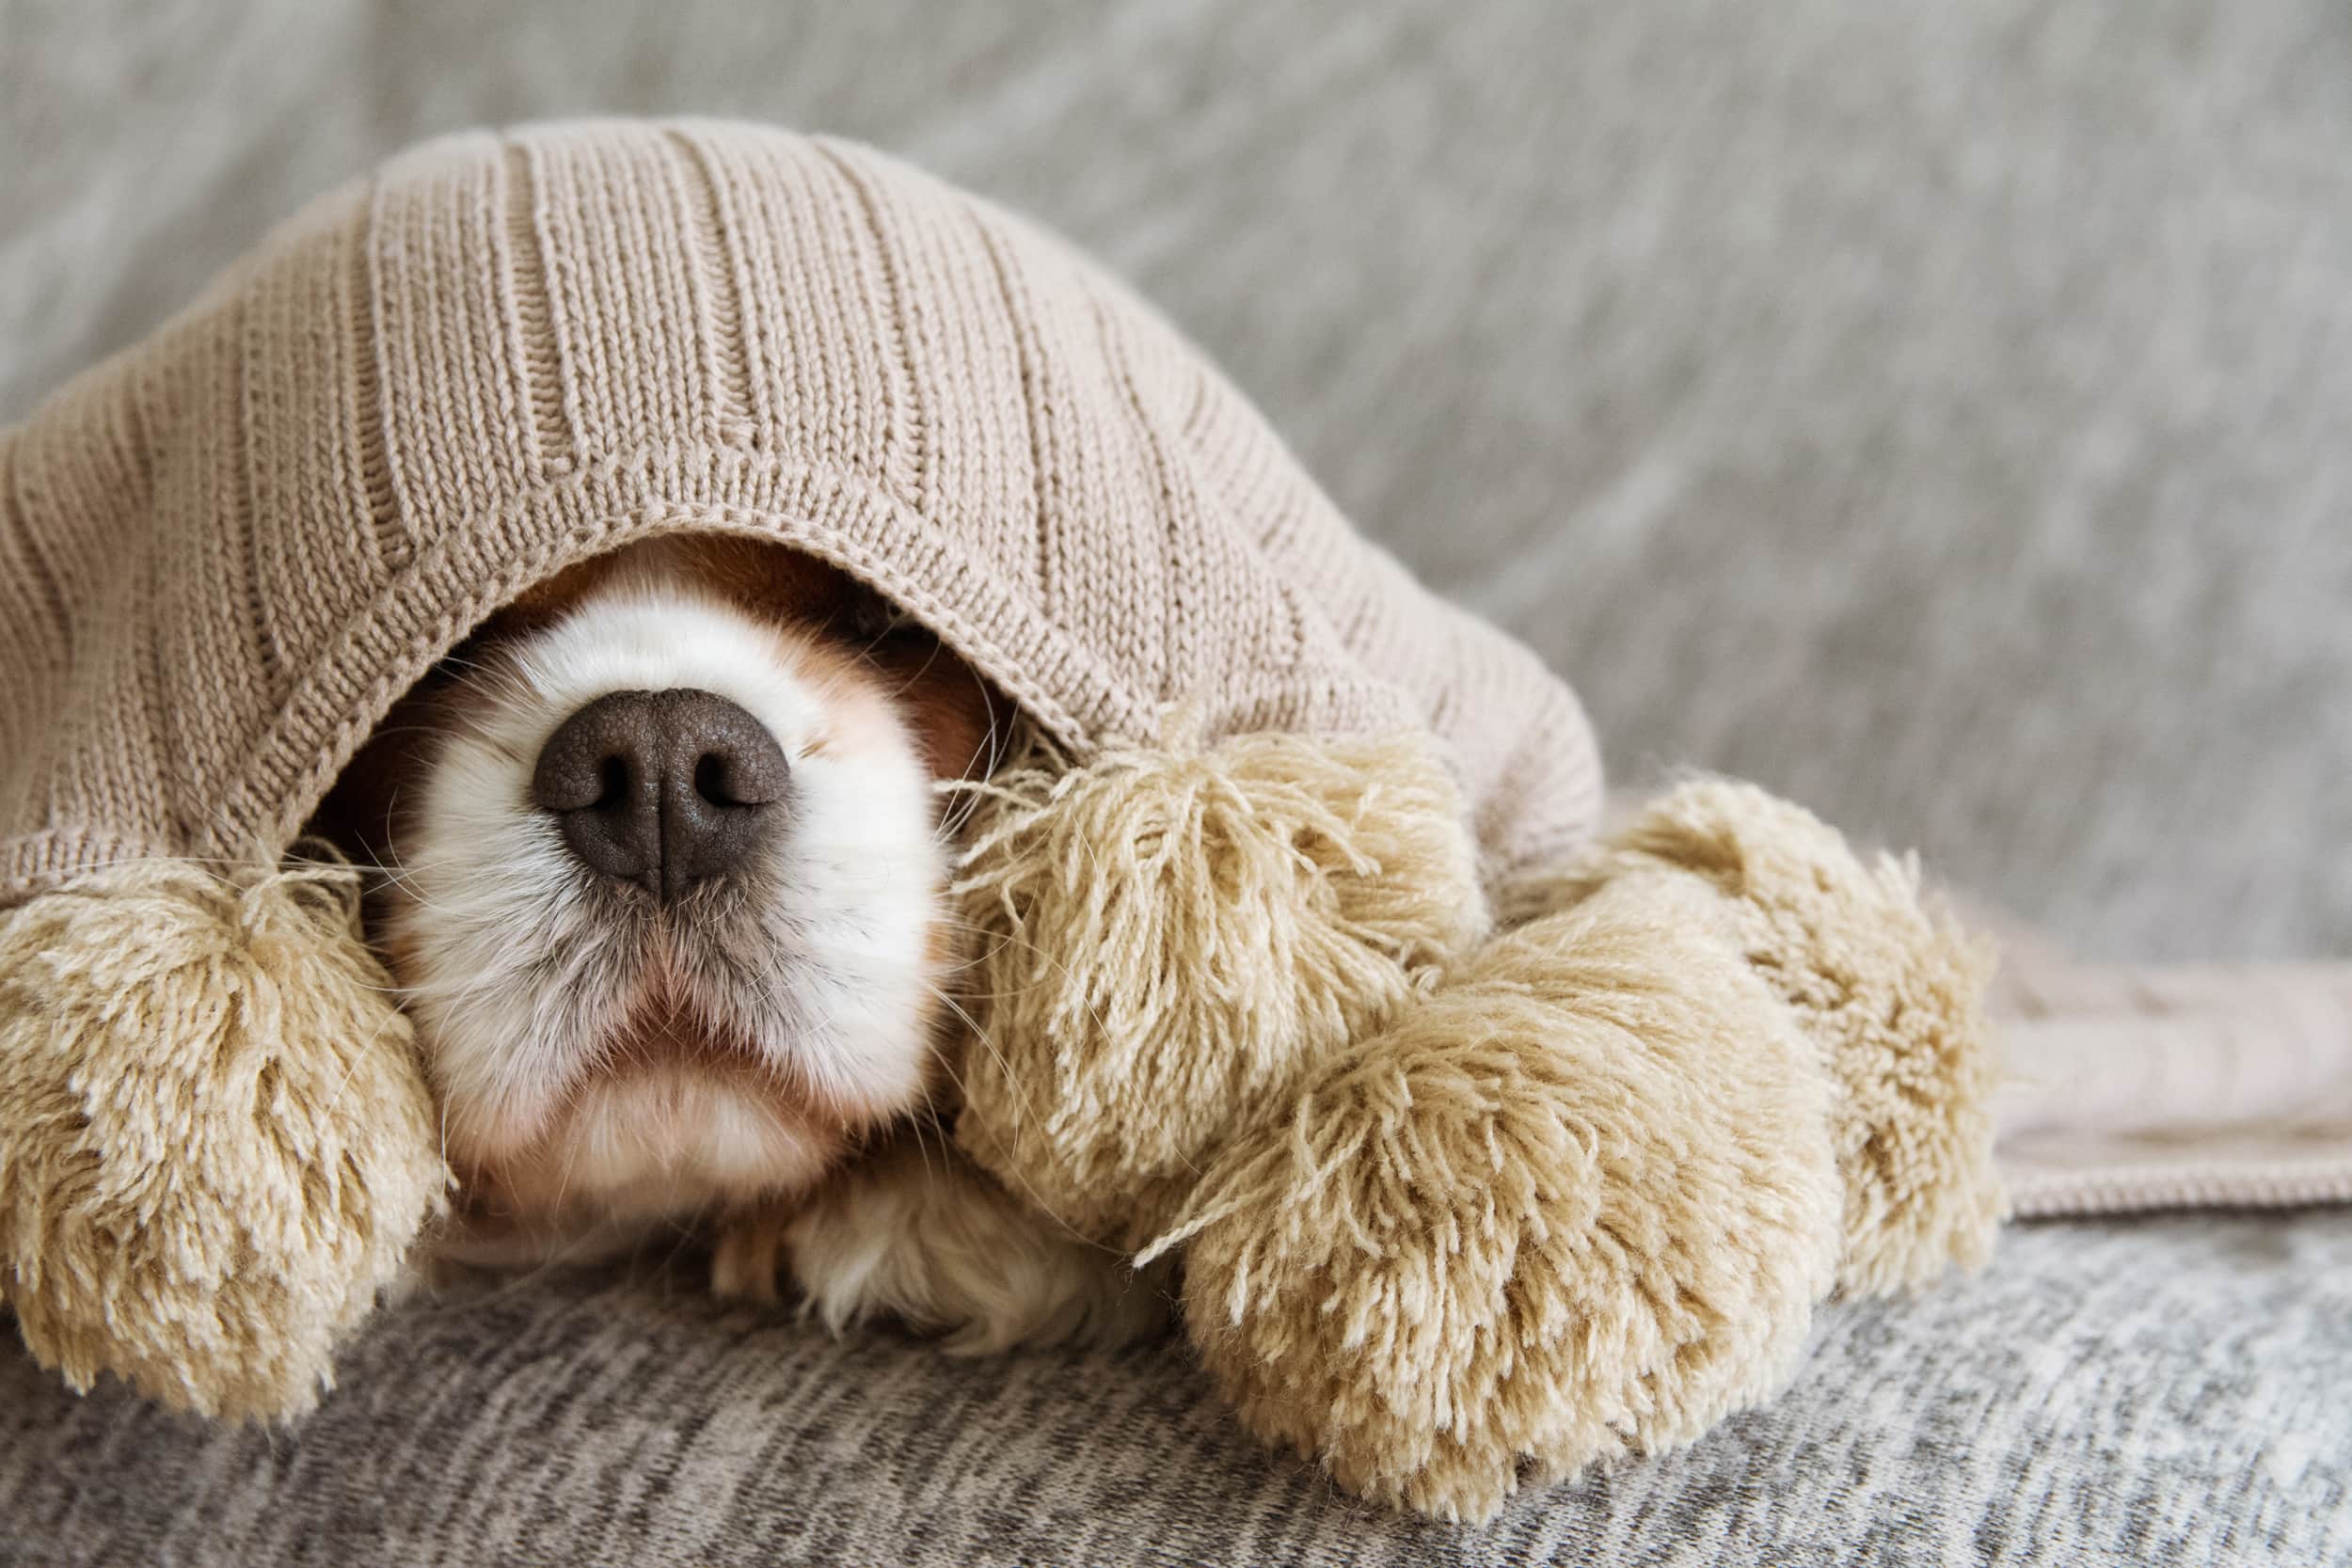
<point>225,552</point>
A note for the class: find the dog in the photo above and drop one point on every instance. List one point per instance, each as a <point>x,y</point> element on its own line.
<point>663,851</point>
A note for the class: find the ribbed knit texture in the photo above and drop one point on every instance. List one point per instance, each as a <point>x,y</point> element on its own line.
<point>225,552</point>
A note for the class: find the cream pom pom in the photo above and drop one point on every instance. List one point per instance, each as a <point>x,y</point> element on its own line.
<point>215,1146</point>
<point>1579,1201</point>
<point>1889,986</point>
<point>1168,935</point>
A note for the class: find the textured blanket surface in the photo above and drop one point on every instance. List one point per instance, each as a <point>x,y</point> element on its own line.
<point>2157,1087</point>
<point>2153,1391</point>
<point>224,551</point>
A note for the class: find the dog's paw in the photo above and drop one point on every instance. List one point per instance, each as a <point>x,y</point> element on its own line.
<point>747,1255</point>
<point>914,1232</point>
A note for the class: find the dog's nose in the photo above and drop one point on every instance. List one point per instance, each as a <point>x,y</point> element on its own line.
<point>661,788</point>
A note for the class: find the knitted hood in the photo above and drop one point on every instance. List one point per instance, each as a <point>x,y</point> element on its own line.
<point>225,552</point>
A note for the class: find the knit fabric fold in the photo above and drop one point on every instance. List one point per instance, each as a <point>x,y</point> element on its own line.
<point>225,552</point>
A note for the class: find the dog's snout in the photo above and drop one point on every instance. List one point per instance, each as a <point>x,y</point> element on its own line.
<point>661,788</point>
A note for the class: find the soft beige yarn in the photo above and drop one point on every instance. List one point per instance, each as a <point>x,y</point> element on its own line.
<point>1569,1193</point>
<point>214,1147</point>
<point>1889,984</point>
<point>1172,935</point>
<point>1580,1202</point>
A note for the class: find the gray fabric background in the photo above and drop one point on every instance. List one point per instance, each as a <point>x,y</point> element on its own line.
<point>1937,412</point>
<point>2137,1394</point>
<point>1940,412</point>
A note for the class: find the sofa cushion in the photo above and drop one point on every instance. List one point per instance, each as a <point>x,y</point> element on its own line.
<point>2159,1390</point>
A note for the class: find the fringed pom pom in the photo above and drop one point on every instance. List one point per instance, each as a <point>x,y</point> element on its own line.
<point>1167,936</point>
<point>215,1143</point>
<point>1890,987</point>
<point>1579,1201</point>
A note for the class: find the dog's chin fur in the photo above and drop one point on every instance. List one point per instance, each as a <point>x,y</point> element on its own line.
<point>584,1039</point>
<point>612,1070</point>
